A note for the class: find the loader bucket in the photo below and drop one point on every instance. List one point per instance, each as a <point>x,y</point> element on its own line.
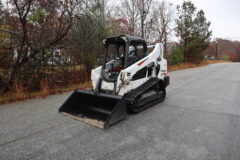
<point>101,110</point>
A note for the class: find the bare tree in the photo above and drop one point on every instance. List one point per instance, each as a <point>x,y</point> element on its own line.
<point>131,12</point>
<point>40,26</point>
<point>136,13</point>
<point>163,17</point>
<point>143,7</point>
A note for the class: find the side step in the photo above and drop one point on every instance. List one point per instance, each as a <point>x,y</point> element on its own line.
<point>101,110</point>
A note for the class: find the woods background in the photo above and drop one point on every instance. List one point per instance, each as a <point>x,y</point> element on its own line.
<point>53,43</point>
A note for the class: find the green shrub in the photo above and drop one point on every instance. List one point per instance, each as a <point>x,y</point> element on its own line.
<point>177,56</point>
<point>225,58</point>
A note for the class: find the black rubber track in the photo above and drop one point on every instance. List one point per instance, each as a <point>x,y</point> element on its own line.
<point>150,104</point>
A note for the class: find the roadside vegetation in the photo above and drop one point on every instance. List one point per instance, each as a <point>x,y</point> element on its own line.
<point>185,65</point>
<point>47,47</point>
<point>19,93</point>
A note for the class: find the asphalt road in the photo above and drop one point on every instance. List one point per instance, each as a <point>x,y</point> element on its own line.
<point>200,119</point>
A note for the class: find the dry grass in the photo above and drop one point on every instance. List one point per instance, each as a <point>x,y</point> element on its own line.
<point>192,65</point>
<point>20,93</point>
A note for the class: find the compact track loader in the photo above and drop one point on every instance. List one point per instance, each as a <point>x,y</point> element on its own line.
<point>129,80</point>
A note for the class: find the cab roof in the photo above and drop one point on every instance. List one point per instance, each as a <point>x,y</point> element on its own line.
<point>122,39</point>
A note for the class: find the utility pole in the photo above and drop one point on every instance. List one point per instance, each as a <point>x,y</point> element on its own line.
<point>216,50</point>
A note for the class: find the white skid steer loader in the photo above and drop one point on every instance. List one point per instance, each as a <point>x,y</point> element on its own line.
<point>129,80</point>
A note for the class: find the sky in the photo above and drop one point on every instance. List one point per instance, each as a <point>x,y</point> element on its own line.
<point>224,16</point>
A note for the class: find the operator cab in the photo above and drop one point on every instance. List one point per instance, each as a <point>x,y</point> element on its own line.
<point>120,53</point>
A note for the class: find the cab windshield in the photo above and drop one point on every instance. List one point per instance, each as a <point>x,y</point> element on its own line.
<point>115,52</point>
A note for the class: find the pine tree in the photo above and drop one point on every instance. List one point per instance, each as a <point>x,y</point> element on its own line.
<point>193,30</point>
